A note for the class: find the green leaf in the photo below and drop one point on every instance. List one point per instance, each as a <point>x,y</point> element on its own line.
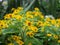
<point>34,41</point>
<point>9,31</point>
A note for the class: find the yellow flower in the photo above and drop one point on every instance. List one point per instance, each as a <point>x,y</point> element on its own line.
<point>28,13</point>
<point>37,14</point>
<point>48,19</point>
<point>57,25</point>
<point>0,31</point>
<point>29,16</point>
<point>20,42</point>
<point>13,9</point>
<point>40,23</point>
<point>31,34</point>
<point>41,16</point>
<point>58,41</point>
<point>10,44</point>
<point>28,23</point>
<point>53,21</point>
<point>46,23</point>
<point>33,13</point>
<point>20,8</point>
<point>36,9</point>
<point>16,37</point>
<point>33,28</point>
<point>30,43</point>
<point>3,24</point>
<point>58,20</point>
<point>8,16</point>
<point>18,17</point>
<point>49,35</point>
<point>55,36</point>
<point>16,12</point>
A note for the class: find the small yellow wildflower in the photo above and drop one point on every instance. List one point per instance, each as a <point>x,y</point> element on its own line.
<point>29,16</point>
<point>30,43</point>
<point>58,20</point>
<point>13,9</point>
<point>20,8</point>
<point>20,42</point>
<point>41,16</point>
<point>48,19</point>
<point>28,23</point>
<point>33,28</point>
<point>0,31</point>
<point>37,13</point>
<point>31,34</point>
<point>40,23</point>
<point>53,21</point>
<point>36,9</point>
<point>28,13</point>
<point>3,24</point>
<point>46,23</point>
<point>8,16</point>
<point>55,36</point>
<point>16,37</point>
<point>58,41</point>
<point>16,12</point>
<point>18,17</point>
<point>49,35</point>
<point>10,44</point>
<point>57,25</point>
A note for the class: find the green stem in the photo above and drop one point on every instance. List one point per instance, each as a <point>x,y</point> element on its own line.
<point>26,9</point>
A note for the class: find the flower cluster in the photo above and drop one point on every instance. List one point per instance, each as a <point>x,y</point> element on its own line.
<point>30,28</point>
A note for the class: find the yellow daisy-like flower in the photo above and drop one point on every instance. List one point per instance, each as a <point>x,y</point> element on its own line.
<point>18,17</point>
<point>36,9</point>
<point>20,42</point>
<point>58,41</point>
<point>16,12</point>
<point>58,20</point>
<point>48,19</point>
<point>8,16</point>
<point>39,23</point>
<point>53,21</point>
<point>13,9</point>
<point>3,24</point>
<point>30,43</point>
<point>29,16</point>
<point>16,37</point>
<point>10,44</point>
<point>31,34</point>
<point>47,23</point>
<point>55,36</point>
<point>37,14</point>
<point>57,25</point>
<point>41,16</point>
<point>49,35</point>
<point>33,28</point>
<point>28,23</point>
<point>0,31</point>
<point>28,13</point>
<point>20,8</point>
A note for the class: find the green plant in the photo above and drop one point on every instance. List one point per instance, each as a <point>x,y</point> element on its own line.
<point>29,28</point>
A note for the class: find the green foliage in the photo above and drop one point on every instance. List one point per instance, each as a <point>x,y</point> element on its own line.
<point>29,28</point>
<point>47,7</point>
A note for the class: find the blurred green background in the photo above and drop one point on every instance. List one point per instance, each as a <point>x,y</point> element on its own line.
<point>48,7</point>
